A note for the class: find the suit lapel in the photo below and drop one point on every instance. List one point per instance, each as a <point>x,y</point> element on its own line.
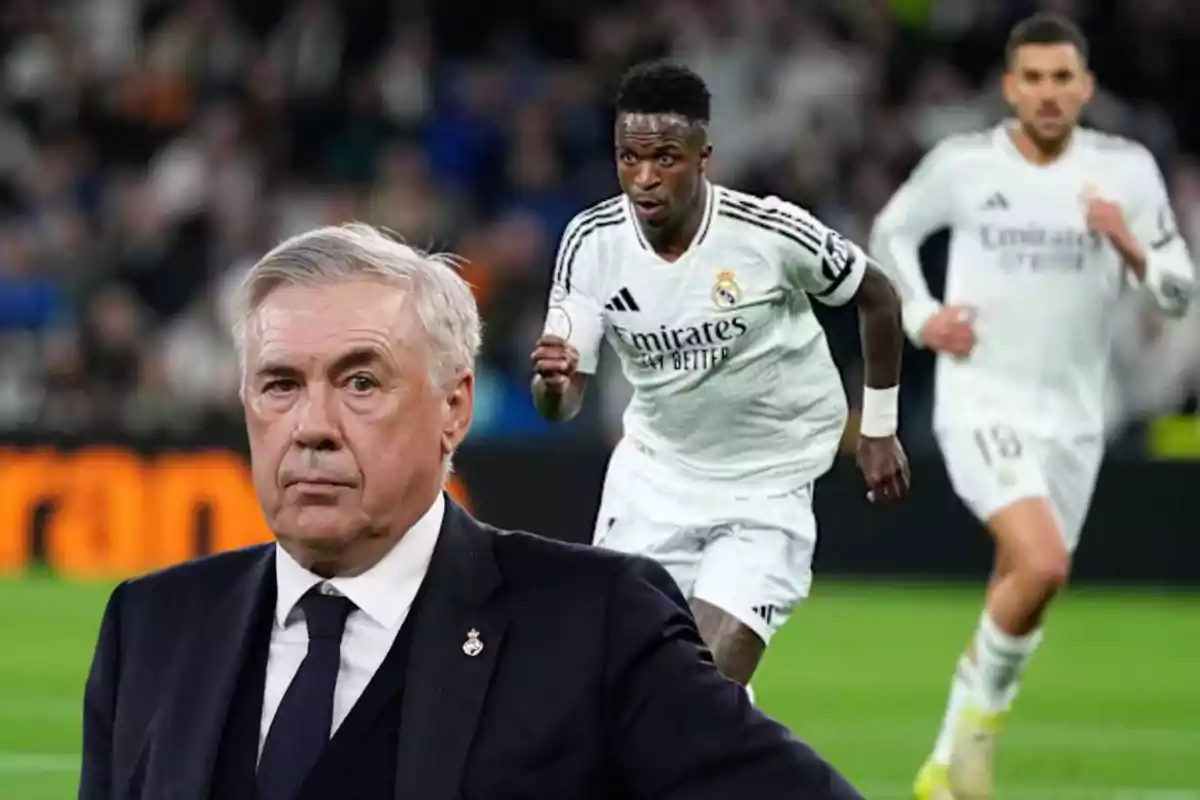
<point>456,641</point>
<point>188,728</point>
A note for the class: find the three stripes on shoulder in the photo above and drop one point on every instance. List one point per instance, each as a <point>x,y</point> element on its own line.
<point>822,243</point>
<point>811,236</point>
<point>602,215</point>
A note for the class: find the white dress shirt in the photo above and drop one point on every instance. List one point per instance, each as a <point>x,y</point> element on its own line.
<point>383,595</point>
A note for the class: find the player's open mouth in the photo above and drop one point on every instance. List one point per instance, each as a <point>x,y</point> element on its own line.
<point>649,208</point>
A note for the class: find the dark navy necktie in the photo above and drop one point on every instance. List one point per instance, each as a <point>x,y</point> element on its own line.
<point>301,728</point>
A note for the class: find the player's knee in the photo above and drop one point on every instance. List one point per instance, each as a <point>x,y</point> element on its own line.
<point>1031,545</point>
<point>735,648</point>
<point>1048,568</point>
<point>737,655</point>
<point>1052,572</point>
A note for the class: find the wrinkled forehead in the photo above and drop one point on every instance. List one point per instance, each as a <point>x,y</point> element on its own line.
<point>643,128</point>
<point>316,323</point>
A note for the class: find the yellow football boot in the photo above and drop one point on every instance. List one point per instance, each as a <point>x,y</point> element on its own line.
<point>972,759</point>
<point>932,783</point>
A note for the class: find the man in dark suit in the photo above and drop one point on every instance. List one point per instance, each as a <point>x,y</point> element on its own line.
<point>389,645</point>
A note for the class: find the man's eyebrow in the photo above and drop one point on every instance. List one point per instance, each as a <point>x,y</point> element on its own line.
<point>357,357</point>
<point>276,369</point>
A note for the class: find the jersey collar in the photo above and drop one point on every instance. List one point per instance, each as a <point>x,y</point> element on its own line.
<point>1004,141</point>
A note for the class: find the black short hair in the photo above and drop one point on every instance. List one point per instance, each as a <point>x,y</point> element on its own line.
<point>1046,28</point>
<point>661,87</point>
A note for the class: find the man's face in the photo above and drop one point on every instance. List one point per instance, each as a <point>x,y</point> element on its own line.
<point>661,160</point>
<point>1047,86</point>
<point>347,436</point>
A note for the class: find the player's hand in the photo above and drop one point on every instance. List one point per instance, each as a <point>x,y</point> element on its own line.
<point>950,331</point>
<point>1105,217</point>
<point>885,468</point>
<point>556,361</point>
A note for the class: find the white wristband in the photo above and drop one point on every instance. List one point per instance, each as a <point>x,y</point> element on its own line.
<point>880,412</point>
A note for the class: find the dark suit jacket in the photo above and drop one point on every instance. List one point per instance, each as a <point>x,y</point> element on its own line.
<point>592,683</point>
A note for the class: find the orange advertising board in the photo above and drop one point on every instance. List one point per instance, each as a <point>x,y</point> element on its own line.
<point>111,512</point>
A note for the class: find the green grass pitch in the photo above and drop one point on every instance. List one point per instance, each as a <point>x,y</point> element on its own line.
<point>1110,708</point>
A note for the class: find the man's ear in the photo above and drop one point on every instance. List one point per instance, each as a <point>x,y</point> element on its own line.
<point>458,408</point>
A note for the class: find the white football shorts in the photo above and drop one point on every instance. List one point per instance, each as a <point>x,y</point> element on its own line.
<point>748,554</point>
<point>994,465</point>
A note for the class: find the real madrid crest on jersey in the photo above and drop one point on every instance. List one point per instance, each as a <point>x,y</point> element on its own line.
<point>725,292</point>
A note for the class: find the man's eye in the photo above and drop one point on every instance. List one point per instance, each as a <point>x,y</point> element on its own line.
<point>362,383</point>
<point>279,386</point>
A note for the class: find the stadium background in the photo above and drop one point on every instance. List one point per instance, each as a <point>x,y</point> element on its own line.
<point>149,151</point>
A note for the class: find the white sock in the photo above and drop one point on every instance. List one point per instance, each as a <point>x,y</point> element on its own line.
<point>1000,659</point>
<point>960,690</point>
<point>750,693</point>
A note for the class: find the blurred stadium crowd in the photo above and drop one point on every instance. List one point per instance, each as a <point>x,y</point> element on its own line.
<point>150,151</point>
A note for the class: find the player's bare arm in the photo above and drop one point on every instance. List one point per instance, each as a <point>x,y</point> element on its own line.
<point>880,455</point>
<point>558,387</point>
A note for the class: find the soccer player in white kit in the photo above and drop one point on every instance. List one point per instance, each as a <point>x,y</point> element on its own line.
<point>1050,223</point>
<point>704,295</point>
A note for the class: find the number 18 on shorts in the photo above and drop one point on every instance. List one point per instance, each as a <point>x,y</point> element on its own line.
<point>992,466</point>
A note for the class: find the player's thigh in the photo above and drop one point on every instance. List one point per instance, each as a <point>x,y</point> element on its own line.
<point>757,564</point>
<point>992,467</point>
<point>639,518</point>
<point>1072,467</point>
<point>1001,474</point>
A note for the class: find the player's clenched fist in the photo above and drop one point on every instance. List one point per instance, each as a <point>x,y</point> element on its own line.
<point>885,468</point>
<point>555,361</point>
<point>950,331</point>
<point>1106,218</point>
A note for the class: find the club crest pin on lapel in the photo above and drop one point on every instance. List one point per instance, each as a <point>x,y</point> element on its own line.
<point>472,646</point>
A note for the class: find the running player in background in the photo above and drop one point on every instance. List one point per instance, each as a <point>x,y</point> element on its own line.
<point>1050,223</point>
<point>704,295</point>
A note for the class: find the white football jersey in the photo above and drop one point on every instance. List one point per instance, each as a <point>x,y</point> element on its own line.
<point>1045,287</point>
<point>731,374</point>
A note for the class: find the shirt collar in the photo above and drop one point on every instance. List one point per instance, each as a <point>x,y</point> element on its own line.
<point>385,591</point>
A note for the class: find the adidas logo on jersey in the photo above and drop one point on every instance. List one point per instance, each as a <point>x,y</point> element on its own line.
<point>622,301</point>
<point>997,200</point>
<point>765,613</point>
